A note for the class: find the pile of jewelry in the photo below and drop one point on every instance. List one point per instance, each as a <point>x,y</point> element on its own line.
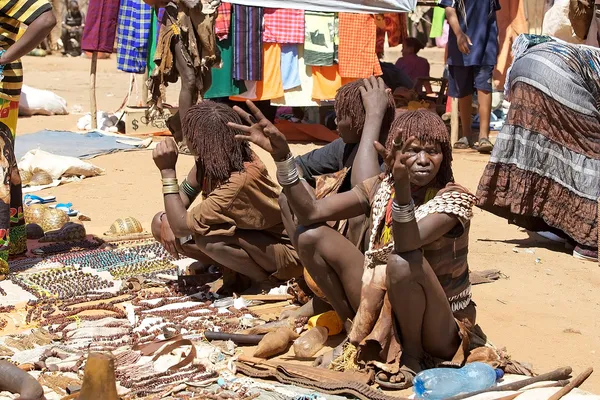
<point>61,282</point>
<point>147,269</point>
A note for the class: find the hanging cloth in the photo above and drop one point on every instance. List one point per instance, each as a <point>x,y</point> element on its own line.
<point>300,96</point>
<point>247,45</point>
<point>396,28</point>
<point>319,49</point>
<point>223,85</point>
<point>100,26</point>
<point>357,52</point>
<point>223,21</point>
<point>152,40</point>
<point>135,20</point>
<point>283,26</point>
<point>437,22</point>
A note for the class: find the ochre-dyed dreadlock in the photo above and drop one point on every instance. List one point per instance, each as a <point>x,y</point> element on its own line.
<point>427,127</point>
<point>213,142</point>
<point>348,104</point>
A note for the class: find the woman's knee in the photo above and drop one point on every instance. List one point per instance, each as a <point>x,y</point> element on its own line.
<point>155,226</point>
<point>308,239</point>
<point>209,245</point>
<point>405,267</point>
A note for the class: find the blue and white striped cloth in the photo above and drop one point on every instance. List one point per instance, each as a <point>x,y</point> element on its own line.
<point>133,33</point>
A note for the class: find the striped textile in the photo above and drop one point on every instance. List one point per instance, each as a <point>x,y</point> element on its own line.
<point>12,14</point>
<point>133,33</point>
<point>357,57</point>
<point>223,21</point>
<point>100,26</point>
<point>247,46</point>
<point>283,26</point>
<point>544,171</point>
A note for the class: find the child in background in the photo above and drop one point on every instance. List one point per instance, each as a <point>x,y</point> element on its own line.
<point>410,63</point>
<point>472,55</point>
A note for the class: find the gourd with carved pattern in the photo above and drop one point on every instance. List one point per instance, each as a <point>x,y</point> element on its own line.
<point>125,226</point>
<point>71,231</point>
<point>40,178</point>
<point>34,213</point>
<point>53,219</point>
<point>25,177</point>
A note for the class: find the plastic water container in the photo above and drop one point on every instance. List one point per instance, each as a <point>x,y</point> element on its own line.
<point>441,383</point>
<point>310,342</point>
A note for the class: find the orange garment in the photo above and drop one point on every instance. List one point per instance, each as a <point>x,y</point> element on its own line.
<point>511,23</point>
<point>327,81</point>
<point>356,52</point>
<point>271,86</point>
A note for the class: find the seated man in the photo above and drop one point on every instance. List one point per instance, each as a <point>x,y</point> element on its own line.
<point>238,223</point>
<point>72,28</point>
<point>365,110</point>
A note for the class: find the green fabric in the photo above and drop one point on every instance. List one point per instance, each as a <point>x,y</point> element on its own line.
<point>437,23</point>
<point>223,85</point>
<point>152,41</point>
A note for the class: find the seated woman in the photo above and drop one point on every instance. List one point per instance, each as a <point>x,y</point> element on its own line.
<point>411,64</point>
<point>416,261</point>
<point>238,223</point>
<point>365,111</point>
<point>544,172</point>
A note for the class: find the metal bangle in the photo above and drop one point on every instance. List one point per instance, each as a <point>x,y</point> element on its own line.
<point>403,213</point>
<point>287,171</point>
<point>189,190</point>
<point>170,189</point>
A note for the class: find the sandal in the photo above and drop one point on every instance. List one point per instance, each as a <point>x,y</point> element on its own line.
<point>33,199</point>
<point>407,375</point>
<point>66,207</point>
<point>462,144</point>
<point>484,146</point>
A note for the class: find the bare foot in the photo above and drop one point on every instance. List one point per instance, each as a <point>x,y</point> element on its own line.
<point>326,359</point>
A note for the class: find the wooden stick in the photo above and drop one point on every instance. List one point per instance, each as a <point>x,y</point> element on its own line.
<point>454,122</point>
<point>268,297</point>
<point>574,384</point>
<point>235,338</point>
<point>562,383</point>
<point>559,374</point>
<point>94,108</point>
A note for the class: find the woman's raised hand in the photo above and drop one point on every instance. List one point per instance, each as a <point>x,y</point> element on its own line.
<point>395,159</point>
<point>261,132</point>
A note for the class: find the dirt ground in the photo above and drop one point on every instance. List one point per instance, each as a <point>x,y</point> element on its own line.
<point>545,312</point>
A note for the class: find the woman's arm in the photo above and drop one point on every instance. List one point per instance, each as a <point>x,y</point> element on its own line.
<point>376,100</point>
<point>413,235</point>
<point>35,33</point>
<point>300,196</point>
<point>310,211</point>
<point>165,157</point>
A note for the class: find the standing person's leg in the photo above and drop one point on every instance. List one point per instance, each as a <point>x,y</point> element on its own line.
<point>483,84</point>
<point>460,86</point>
<point>13,237</point>
<point>189,91</point>
<point>422,310</point>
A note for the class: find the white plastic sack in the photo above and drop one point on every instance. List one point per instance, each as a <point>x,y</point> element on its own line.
<point>57,166</point>
<point>41,102</point>
<point>105,122</point>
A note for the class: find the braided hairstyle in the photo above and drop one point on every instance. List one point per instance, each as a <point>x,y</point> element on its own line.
<point>427,127</point>
<point>348,104</point>
<point>213,142</point>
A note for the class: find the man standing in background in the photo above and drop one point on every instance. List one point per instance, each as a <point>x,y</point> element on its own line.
<point>72,29</point>
<point>472,55</point>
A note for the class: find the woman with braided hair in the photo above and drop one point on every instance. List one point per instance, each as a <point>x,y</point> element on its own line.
<point>416,260</point>
<point>364,113</point>
<point>238,223</point>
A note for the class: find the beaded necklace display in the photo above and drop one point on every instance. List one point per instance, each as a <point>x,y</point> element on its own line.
<point>451,202</point>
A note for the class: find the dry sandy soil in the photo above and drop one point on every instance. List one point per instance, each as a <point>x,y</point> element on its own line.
<point>545,312</point>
